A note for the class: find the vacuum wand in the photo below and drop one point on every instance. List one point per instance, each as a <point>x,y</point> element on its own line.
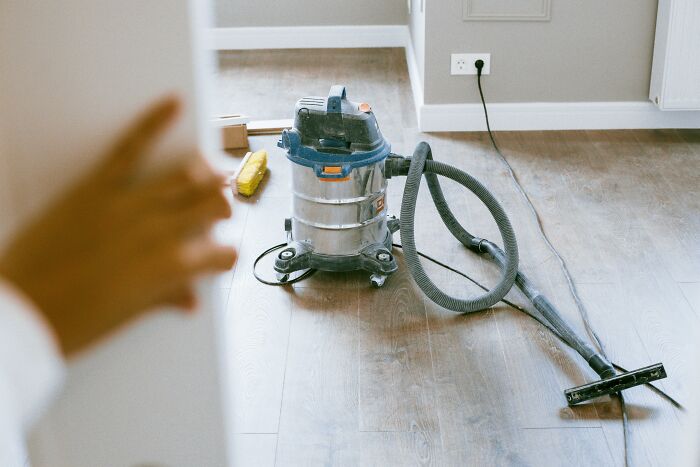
<point>610,382</point>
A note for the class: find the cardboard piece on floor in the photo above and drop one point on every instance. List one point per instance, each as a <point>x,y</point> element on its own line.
<point>234,133</point>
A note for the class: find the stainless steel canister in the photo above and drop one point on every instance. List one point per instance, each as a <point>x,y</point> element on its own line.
<point>339,216</point>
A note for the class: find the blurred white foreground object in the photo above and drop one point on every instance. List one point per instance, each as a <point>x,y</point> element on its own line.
<point>73,74</point>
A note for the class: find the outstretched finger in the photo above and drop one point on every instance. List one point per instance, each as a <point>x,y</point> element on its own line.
<point>142,135</point>
<point>184,298</point>
<point>204,256</point>
<point>179,183</point>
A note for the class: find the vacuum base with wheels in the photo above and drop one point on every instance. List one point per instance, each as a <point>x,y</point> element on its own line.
<point>376,259</point>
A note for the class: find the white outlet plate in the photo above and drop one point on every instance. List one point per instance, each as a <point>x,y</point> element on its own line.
<point>463,64</point>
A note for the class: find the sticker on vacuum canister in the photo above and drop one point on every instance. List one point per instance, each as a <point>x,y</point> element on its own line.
<point>378,205</point>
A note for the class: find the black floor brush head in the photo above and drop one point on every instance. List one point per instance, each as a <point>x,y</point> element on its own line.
<point>615,384</point>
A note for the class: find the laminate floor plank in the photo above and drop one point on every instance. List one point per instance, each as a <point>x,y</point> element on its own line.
<point>396,368</point>
<point>257,325</point>
<point>320,411</point>
<point>231,231</point>
<point>258,330</point>
<point>691,292</point>
<point>254,450</point>
<point>656,428</point>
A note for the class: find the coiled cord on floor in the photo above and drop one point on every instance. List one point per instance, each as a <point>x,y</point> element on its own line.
<point>306,274</point>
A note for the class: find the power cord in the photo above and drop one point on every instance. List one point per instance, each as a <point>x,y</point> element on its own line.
<point>479,64</point>
<point>306,274</point>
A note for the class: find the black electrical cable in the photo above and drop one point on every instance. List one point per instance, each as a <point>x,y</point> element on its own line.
<point>457,271</point>
<point>565,270</point>
<point>655,389</point>
<point>305,275</point>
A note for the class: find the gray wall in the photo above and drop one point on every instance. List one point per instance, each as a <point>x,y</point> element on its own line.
<point>239,13</point>
<point>592,50</point>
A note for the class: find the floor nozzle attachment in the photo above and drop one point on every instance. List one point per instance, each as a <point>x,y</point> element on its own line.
<point>615,384</point>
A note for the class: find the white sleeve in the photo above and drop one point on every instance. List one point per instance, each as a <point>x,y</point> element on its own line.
<point>31,371</point>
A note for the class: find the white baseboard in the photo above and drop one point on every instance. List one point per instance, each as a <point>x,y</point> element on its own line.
<point>308,37</point>
<point>553,116</point>
<point>457,117</point>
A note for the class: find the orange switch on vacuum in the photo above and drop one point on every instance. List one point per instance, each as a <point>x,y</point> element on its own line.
<point>364,107</point>
<point>331,169</point>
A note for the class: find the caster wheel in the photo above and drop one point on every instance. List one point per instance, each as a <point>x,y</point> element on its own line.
<point>282,277</point>
<point>377,280</point>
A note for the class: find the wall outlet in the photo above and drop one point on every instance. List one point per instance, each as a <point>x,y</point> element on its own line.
<point>463,64</point>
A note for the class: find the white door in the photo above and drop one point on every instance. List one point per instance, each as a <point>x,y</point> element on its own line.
<point>72,73</point>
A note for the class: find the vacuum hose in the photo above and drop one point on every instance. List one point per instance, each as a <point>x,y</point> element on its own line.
<point>422,164</point>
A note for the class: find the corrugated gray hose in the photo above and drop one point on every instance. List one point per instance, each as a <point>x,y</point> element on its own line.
<point>507,258</point>
<point>422,162</point>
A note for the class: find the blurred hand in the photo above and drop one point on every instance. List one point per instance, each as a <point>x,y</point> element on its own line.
<point>117,243</point>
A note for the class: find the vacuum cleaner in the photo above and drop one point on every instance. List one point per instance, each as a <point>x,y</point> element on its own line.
<point>341,164</point>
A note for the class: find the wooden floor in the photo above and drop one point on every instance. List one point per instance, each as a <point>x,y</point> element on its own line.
<point>334,373</point>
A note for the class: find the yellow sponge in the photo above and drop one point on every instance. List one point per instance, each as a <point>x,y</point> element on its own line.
<point>250,173</point>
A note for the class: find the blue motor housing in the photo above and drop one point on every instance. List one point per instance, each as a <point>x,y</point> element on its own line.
<point>333,132</point>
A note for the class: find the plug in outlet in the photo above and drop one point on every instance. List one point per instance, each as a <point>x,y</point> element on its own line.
<point>463,64</point>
